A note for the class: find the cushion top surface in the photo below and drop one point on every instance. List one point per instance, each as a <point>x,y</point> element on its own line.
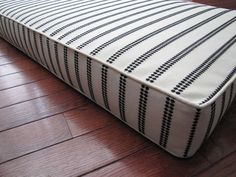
<point>183,49</point>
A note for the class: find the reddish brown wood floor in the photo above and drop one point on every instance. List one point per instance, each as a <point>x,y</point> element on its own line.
<point>48,129</point>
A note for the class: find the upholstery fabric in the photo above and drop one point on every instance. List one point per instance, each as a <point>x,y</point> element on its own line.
<point>164,67</point>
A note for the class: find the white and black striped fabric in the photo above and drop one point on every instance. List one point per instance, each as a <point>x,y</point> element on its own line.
<point>164,67</point>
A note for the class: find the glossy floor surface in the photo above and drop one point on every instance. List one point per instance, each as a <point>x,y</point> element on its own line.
<point>48,129</point>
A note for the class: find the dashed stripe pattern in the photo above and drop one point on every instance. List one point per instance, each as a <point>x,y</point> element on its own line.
<point>142,108</point>
<point>89,78</point>
<point>192,132</point>
<point>168,64</point>
<point>230,96</point>
<point>190,78</point>
<point>64,27</point>
<point>122,90</point>
<point>50,56</point>
<point>77,71</point>
<point>66,65</point>
<point>57,59</point>
<point>212,118</point>
<point>42,51</point>
<point>126,24</point>
<point>228,77</point>
<point>104,86</point>
<point>68,37</point>
<point>166,121</point>
<point>113,57</point>
<point>137,62</point>
<point>118,13</point>
<point>94,29</point>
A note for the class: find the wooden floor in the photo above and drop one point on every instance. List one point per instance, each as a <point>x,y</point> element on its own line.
<point>48,129</point>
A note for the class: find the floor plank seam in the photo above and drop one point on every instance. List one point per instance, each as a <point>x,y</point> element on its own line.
<point>36,151</point>
<point>110,163</point>
<point>213,164</point>
<point>57,142</point>
<point>34,98</point>
<point>38,119</point>
<point>25,84</point>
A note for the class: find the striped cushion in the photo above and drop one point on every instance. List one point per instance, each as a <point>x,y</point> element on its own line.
<point>164,67</point>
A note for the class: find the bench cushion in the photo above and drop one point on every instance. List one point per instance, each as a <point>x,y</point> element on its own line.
<point>164,67</point>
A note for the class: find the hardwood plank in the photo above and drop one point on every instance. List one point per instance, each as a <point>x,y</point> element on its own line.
<point>223,168</point>
<point>18,66</point>
<point>152,161</point>
<point>39,108</point>
<point>9,51</point>
<point>31,91</point>
<point>24,77</point>
<point>222,142</point>
<point>31,137</point>
<point>86,118</point>
<point>230,4</point>
<point>7,60</point>
<point>79,155</point>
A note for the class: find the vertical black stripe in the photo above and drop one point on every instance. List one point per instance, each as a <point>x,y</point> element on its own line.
<point>166,121</point>
<point>122,91</point>
<point>212,118</point>
<point>24,40</point>
<point>2,27</point>
<point>30,45</point>
<point>57,59</point>
<point>50,56</point>
<point>192,132</point>
<point>20,39</point>
<point>6,31</point>
<point>77,71</point>
<point>44,58</point>
<point>230,96</point>
<point>222,106</point>
<point>142,108</point>
<point>66,64</point>
<point>10,32</point>
<point>37,49</point>
<point>89,78</point>
<point>104,86</point>
<point>13,31</point>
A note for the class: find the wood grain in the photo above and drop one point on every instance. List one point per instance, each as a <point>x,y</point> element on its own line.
<point>24,77</point>
<point>7,60</point>
<point>31,137</point>
<point>223,168</point>
<point>39,108</point>
<point>17,67</point>
<point>152,161</point>
<point>87,117</point>
<point>8,51</point>
<point>79,155</point>
<point>31,91</point>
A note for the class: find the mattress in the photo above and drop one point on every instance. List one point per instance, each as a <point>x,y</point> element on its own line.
<point>166,68</point>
